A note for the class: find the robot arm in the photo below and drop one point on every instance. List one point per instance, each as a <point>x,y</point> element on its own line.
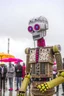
<point>24,85</point>
<point>58,57</point>
<point>26,80</point>
<point>27,61</point>
<point>55,82</point>
<point>60,79</point>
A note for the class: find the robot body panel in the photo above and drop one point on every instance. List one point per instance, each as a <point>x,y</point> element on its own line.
<point>44,55</point>
<point>41,68</point>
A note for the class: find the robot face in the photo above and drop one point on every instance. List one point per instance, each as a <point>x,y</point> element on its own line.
<point>37,27</point>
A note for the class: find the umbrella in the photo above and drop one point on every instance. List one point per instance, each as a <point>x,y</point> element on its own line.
<point>5,55</point>
<point>12,60</point>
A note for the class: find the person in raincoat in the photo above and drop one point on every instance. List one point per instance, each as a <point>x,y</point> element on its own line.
<point>18,75</point>
<point>23,70</point>
<point>3,71</point>
<point>11,71</point>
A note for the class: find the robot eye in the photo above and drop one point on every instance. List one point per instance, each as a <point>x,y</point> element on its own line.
<point>37,27</point>
<point>30,29</point>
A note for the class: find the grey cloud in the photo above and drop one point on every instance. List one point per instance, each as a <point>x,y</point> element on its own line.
<point>14,16</point>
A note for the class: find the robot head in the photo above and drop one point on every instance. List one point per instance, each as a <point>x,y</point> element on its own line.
<point>37,27</point>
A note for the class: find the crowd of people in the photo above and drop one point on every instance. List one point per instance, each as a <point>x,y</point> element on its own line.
<point>8,73</point>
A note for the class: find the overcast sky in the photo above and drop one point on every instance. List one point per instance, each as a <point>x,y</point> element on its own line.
<point>14,18</point>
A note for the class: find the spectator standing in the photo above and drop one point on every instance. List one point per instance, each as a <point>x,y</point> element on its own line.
<point>54,74</point>
<point>18,72</point>
<point>54,70</point>
<point>11,71</point>
<point>63,83</point>
<point>23,70</point>
<point>3,71</point>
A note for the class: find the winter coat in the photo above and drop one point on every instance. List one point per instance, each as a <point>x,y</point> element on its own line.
<point>18,71</point>
<point>3,75</point>
<point>10,71</point>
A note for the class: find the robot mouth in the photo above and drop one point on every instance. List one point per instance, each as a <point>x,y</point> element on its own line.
<point>36,36</point>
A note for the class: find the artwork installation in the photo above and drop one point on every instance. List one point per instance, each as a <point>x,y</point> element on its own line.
<point>39,62</point>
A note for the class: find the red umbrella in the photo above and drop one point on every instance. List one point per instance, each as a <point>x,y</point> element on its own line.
<point>11,60</point>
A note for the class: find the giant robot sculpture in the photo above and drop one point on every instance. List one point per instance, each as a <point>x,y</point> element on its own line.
<point>40,60</point>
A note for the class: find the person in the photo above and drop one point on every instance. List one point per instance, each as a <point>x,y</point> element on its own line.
<point>54,74</point>
<point>23,70</point>
<point>18,72</point>
<point>3,71</point>
<point>11,71</point>
<point>6,75</point>
<point>63,83</point>
<point>54,71</point>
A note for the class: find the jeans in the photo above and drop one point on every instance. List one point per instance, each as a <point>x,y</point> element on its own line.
<point>18,82</point>
<point>11,82</point>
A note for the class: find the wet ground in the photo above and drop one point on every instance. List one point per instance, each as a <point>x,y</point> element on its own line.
<point>60,91</point>
<point>14,93</point>
<point>7,92</point>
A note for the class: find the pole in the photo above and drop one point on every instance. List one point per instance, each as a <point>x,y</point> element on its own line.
<point>34,43</point>
<point>8,45</point>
